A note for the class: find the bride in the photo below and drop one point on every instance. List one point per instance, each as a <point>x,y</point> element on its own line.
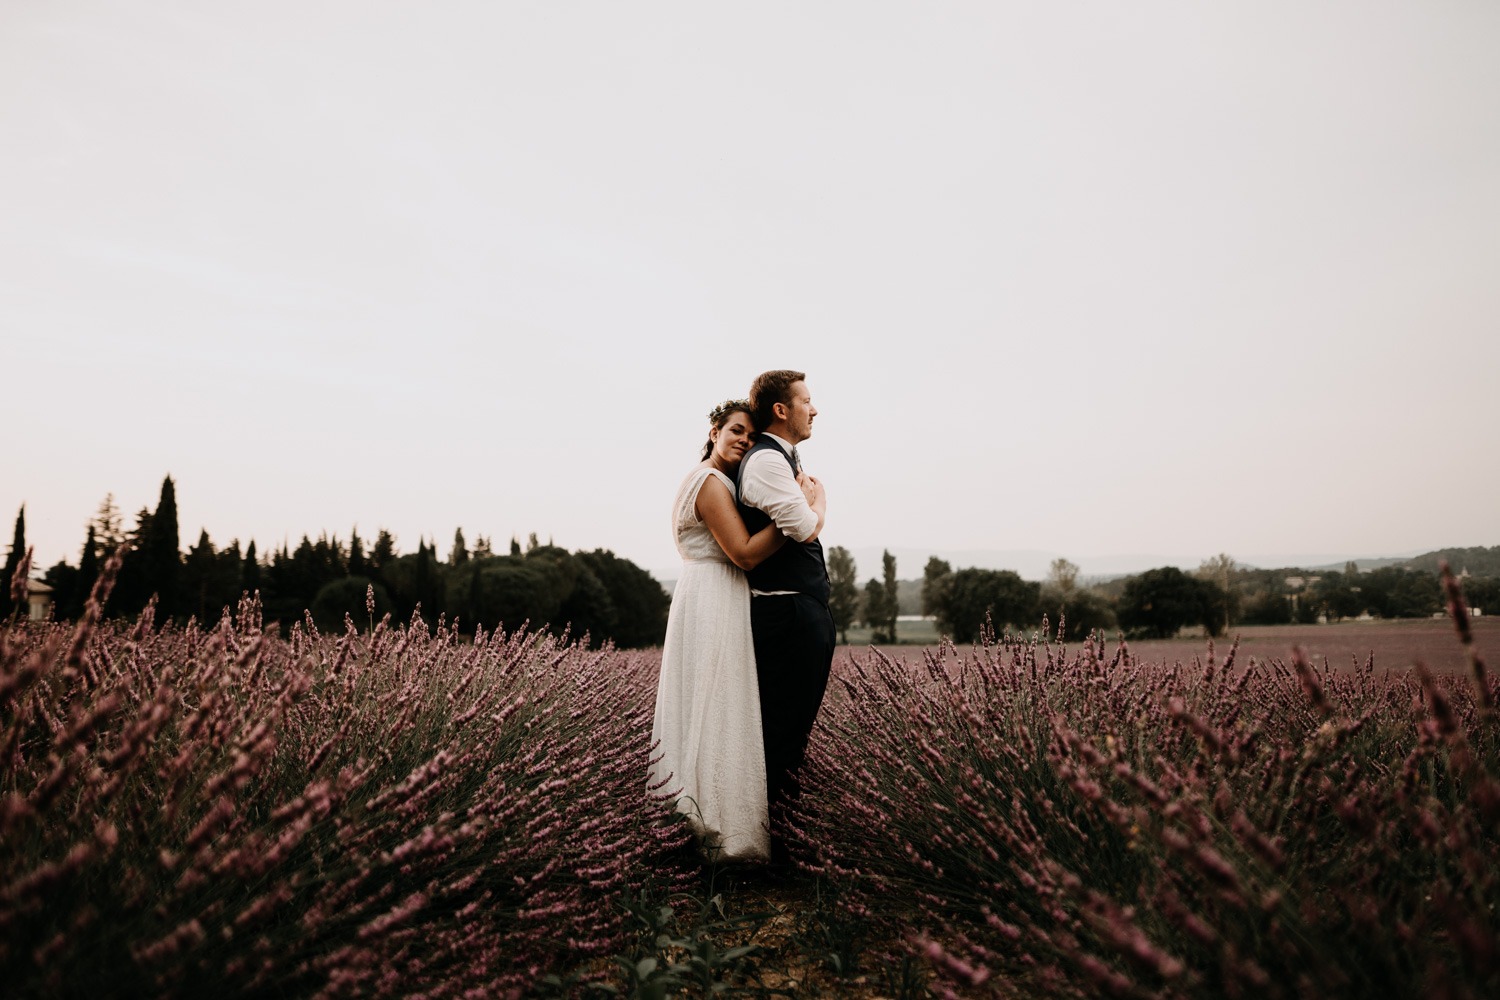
<point>707,724</point>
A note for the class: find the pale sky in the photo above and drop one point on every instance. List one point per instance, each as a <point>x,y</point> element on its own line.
<point>1093,279</point>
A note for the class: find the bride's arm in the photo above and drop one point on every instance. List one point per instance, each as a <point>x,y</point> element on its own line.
<point>817,499</point>
<point>716,507</point>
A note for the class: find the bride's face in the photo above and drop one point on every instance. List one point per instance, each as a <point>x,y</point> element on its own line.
<point>733,439</point>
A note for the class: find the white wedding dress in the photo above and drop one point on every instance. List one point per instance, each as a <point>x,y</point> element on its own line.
<point>707,725</point>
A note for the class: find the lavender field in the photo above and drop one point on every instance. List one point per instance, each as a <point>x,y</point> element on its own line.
<point>398,811</point>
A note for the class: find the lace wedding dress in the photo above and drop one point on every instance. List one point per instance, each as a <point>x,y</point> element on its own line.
<point>707,725</point>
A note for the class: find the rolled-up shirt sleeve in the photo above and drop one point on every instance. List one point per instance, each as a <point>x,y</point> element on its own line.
<point>767,482</point>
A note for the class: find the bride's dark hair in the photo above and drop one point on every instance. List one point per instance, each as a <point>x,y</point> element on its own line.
<point>719,416</point>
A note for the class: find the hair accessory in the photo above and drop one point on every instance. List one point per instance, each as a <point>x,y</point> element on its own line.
<point>727,407</point>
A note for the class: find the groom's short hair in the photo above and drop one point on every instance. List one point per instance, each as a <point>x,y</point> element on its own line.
<point>768,389</point>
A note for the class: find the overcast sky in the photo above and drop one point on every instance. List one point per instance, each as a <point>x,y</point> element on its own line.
<point>1093,279</point>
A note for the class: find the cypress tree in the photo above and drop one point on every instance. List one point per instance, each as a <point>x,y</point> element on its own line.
<point>197,577</point>
<point>109,532</point>
<point>357,564</point>
<point>382,556</point>
<point>225,586</point>
<point>163,556</point>
<point>88,572</point>
<point>66,589</point>
<point>250,574</point>
<point>133,585</point>
<point>892,604</point>
<point>12,560</point>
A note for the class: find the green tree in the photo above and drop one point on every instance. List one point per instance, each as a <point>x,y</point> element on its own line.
<point>108,527</point>
<point>874,610</point>
<point>937,583</point>
<point>382,555</point>
<point>1063,576</point>
<point>891,607</point>
<point>843,597</point>
<point>1482,593</point>
<point>12,561</point>
<point>133,585</point>
<point>1398,592</point>
<point>640,604</point>
<point>210,579</point>
<point>198,573</point>
<point>1223,599</point>
<point>336,598</point>
<point>250,578</point>
<point>510,592</point>
<point>227,583</point>
<point>357,565</point>
<point>1159,602</point>
<point>293,579</point>
<point>1079,609</point>
<point>1337,596</point>
<point>587,609</point>
<point>70,606</point>
<point>1001,594</point>
<point>1267,607</point>
<point>459,554</point>
<point>66,583</point>
<point>162,554</point>
<point>423,589</point>
<point>598,593</point>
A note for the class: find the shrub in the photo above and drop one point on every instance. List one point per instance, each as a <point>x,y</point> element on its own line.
<point>1267,607</point>
<point>346,597</point>
<point>1080,610</point>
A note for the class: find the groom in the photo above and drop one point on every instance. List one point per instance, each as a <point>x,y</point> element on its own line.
<point>789,617</point>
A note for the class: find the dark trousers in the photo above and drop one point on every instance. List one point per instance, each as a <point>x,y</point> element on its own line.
<point>794,640</point>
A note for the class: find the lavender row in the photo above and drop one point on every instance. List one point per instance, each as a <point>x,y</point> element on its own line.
<point>403,812</point>
<point>1072,822</point>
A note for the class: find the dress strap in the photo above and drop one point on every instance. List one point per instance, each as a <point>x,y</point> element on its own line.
<point>728,483</point>
<point>686,514</point>
<point>687,499</point>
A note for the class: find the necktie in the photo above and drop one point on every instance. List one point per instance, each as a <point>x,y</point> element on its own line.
<point>796,459</point>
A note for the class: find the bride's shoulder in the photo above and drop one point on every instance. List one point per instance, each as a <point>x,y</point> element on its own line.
<point>694,479</point>
<point>697,472</point>
<point>701,476</point>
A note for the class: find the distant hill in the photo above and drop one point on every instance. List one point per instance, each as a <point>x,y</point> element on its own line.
<point>1478,560</point>
<point>1363,565</point>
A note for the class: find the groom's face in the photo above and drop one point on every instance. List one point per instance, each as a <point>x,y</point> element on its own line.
<point>800,412</point>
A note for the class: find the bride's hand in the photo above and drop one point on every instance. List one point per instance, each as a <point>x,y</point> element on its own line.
<point>812,488</point>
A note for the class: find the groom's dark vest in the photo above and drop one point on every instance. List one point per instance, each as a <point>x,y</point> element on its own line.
<point>796,565</point>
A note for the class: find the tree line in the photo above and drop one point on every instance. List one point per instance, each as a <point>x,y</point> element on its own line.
<point>1157,603</point>
<point>611,598</point>
<point>596,592</point>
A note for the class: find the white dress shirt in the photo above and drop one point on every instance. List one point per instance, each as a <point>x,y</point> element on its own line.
<point>767,482</point>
